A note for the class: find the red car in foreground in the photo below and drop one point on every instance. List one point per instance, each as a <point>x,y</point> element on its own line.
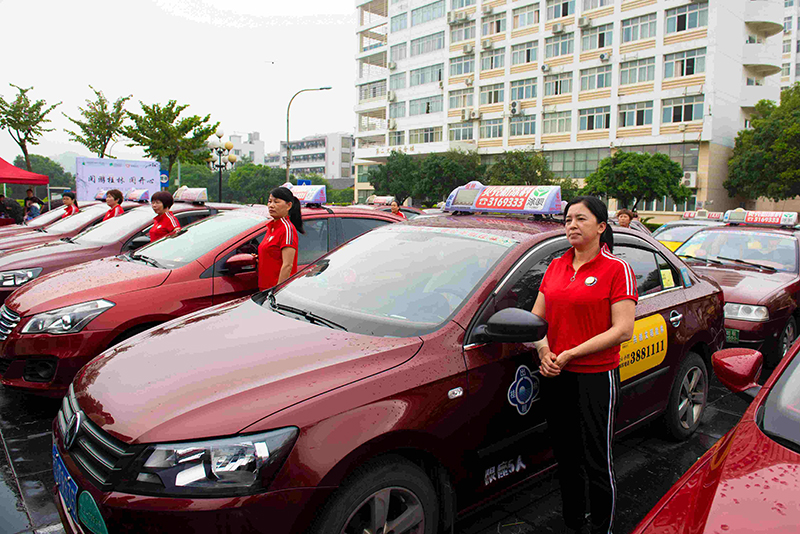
<point>749,481</point>
<point>387,387</point>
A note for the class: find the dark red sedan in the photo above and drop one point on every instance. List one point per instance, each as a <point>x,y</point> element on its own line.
<point>388,387</point>
<point>41,221</point>
<point>749,481</point>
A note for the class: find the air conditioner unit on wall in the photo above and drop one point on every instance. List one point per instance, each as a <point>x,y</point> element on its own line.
<point>391,95</point>
<point>469,49</point>
<point>474,114</point>
<point>441,84</point>
<point>469,81</point>
<point>558,28</point>
<point>487,43</point>
<point>584,22</point>
<point>461,17</point>
<point>392,124</point>
<point>465,113</point>
<point>392,65</point>
<point>605,56</point>
<point>514,108</point>
<point>690,179</point>
<point>487,10</point>
<point>545,67</point>
<point>451,18</point>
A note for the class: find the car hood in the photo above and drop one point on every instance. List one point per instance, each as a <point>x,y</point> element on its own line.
<point>746,483</point>
<point>745,285</point>
<point>84,282</point>
<point>43,254</point>
<point>26,239</point>
<point>216,372</point>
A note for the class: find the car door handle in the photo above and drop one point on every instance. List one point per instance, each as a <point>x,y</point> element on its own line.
<point>675,318</point>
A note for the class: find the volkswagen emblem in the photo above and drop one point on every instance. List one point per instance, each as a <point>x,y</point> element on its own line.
<point>73,427</point>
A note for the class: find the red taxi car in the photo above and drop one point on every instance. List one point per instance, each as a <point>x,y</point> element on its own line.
<point>755,260</point>
<point>749,481</point>
<point>387,387</point>
<point>42,220</point>
<point>109,300</point>
<point>674,234</point>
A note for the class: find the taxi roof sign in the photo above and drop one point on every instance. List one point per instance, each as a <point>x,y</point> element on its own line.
<point>520,199</point>
<point>761,218</point>
<point>703,214</point>
<point>191,194</point>
<point>382,200</point>
<point>138,195</point>
<point>101,194</point>
<point>310,194</point>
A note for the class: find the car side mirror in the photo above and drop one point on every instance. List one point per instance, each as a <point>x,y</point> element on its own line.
<point>738,369</point>
<point>512,325</point>
<point>138,242</point>
<point>239,263</point>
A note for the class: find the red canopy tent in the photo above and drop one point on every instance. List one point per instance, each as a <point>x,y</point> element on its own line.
<point>10,174</point>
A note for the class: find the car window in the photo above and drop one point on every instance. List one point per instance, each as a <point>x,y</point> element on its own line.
<point>46,218</point>
<point>678,234</point>
<point>645,268</point>
<point>189,217</point>
<point>777,251</point>
<point>80,219</point>
<point>354,227</point>
<point>314,242</point>
<point>523,293</point>
<point>111,230</point>
<point>781,418</point>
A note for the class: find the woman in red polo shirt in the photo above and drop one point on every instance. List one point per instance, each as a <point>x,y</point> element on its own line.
<point>69,201</point>
<point>113,199</point>
<point>277,253</point>
<point>395,207</point>
<point>588,297</point>
<point>164,223</point>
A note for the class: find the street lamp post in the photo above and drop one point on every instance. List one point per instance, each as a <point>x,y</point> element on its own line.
<point>289,107</point>
<point>221,156</point>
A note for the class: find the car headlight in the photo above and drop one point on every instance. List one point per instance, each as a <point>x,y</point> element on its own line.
<point>240,465</point>
<point>746,312</point>
<point>19,277</point>
<point>66,320</point>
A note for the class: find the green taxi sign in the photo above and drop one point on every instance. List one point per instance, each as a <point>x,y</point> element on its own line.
<point>89,514</point>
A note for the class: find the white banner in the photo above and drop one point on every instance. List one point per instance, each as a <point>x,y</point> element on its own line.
<point>94,174</point>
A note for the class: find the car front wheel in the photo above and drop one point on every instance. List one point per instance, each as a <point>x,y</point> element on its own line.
<point>390,496</point>
<point>788,335</point>
<point>688,397</point>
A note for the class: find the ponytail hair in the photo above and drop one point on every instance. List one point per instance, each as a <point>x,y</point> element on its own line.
<point>600,211</point>
<point>295,216</point>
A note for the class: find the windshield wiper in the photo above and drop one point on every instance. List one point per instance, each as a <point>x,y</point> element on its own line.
<point>707,260</point>
<point>41,230</point>
<point>751,264</point>
<point>149,261</point>
<point>311,317</point>
<point>67,240</point>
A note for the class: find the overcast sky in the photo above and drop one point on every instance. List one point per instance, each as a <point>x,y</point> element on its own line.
<point>215,56</point>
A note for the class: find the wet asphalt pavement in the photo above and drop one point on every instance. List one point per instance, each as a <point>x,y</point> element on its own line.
<point>647,462</point>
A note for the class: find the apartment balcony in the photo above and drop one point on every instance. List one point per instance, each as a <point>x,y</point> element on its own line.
<point>380,154</point>
<point>762,59</point>
<point>764,17</point>
<point>753,94</point>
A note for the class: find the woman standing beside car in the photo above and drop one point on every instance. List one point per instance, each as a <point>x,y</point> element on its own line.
<point>71,203</point>
<point>114,199</point>
<point>164,222</point>
<point>277,253</point>
<point>588,297</point>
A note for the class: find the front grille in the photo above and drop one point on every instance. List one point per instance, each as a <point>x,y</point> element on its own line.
<point>100,455</point>
<point>8,321</point>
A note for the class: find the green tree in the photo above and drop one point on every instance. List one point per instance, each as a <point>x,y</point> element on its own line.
<point>251,183</point>
<point>164,135</point>
<point>632,177</point>
<point>101,124</point>
<point>528,167</point>
<point>766,158</point>
<point>25,119</point>
<point>397,177</point>
<point>440,173</point>
<point>44,165</point>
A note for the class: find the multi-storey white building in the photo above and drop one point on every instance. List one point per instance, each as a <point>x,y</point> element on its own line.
<point>578,79</point>
<point>252,148</point>
<point>330,155</point>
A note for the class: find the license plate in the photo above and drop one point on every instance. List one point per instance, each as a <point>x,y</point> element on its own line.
<point>67,487</point>
<point>731,335</point>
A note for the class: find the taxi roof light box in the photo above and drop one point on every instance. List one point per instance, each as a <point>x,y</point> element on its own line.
<point>475,197</point>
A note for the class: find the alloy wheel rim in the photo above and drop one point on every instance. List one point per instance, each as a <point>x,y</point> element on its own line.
<point>692,397</point>
<point>391,510</point>
<point>788,338</point>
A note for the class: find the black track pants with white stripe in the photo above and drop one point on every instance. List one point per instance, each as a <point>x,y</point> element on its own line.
<point>581,409</point>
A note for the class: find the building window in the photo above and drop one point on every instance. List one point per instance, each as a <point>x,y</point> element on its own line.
<point>785,69</point>
<point>522,125</point>
<point>754,39</point>
<point>688,17</point>
<point>787,47</point>
<point>524,53</point>
<point>396,139</point>
<point>560,8</point>
<point>369,91</point>
<point>429,74</point>
<point>424,106</point>
<point>642,70</point>
<point>399,22</point>
<point>596,78</point>
<point>638,114</point>
<point>427,13</point>
<point>492,94</point>
<point>492,128</point>
<point>458,4</point>
<point>493,24</point>
<point>599,37</point>
<point>493,59</point>
<point>638,28</point>
<point>397,110</point>
<point>685,63</point>
<point>463,32</point>
<point>427,44</point>
<point>397,81</point>
<point>594,4</point>
<point>526,16</point>
<point>559,45</point>
<point>557,122</point>
<point>787,24</point>
<point>685,109</point>
<point>425,135</point>
<point>523,89</point>
<point>755,81</point>
<point>788,3</point>
<point>558,84</point>
<point>462,65</point>
<point>461,131</point>
<point>463,98</point>
<point>594,118</point>
<point>576,163</point>
<point>398,52</point>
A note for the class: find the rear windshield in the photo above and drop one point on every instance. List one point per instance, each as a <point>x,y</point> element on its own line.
<point>678,234</point>
<point>112,230</point>
<point>773,250</point>
<point>781,420</point>
<point>46,218</point>
<point>79,220</point>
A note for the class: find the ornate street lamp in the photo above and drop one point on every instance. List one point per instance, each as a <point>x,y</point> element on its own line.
<point>221,156</point>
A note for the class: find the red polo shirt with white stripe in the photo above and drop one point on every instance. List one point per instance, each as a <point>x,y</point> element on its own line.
<point>280,234</point>
<point>71,210</point>
<point>163,225</point>
<point>113,212</point>
<point>578,305</point>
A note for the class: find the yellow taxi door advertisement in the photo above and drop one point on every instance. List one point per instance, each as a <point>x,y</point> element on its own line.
<point>646,349</point>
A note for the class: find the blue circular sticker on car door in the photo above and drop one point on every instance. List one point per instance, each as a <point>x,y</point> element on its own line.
<point>524,390</point>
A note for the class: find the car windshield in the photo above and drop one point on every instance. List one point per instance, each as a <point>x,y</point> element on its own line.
<point>46,218</point>
<point>188,244</point>
<point>80,219</point>
<point>772,250</point>
<point>781,417</point>
<point>677,234</point>
<point>112,230</point>
<point>395,281</point>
